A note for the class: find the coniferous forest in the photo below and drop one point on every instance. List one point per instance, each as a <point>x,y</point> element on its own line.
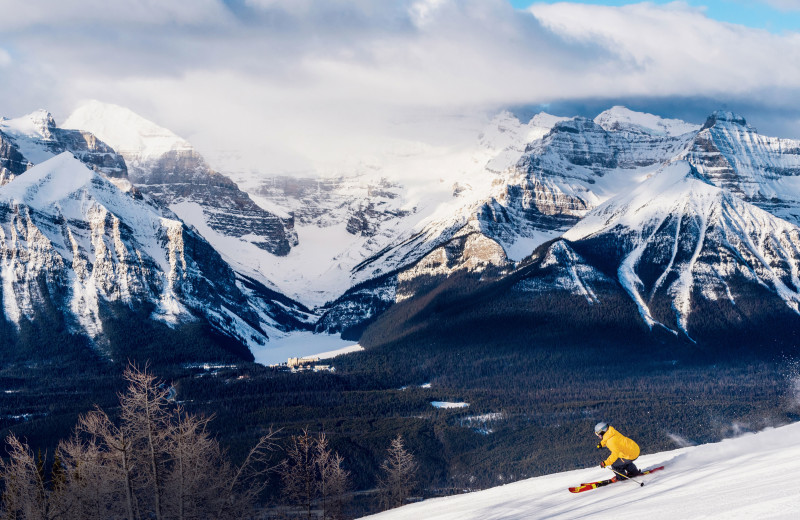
<point>537,375</point>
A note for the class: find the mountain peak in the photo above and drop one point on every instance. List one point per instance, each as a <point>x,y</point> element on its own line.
<point>39,123</point>
<point>42,118</point>
<point>620,118</point>
<point>575,125</point>
<point>724,116</point>
<point>124,130</point>
<point>49,182</point>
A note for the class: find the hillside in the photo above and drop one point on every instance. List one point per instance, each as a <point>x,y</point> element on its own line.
<point>744,477</point>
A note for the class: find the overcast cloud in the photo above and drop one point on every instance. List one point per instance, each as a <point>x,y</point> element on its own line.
<point>284,80</point>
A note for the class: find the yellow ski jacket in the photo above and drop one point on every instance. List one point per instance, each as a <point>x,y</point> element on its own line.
<point>621,447</point>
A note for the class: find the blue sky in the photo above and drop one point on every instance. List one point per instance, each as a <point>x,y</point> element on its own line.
<point>751,13</point>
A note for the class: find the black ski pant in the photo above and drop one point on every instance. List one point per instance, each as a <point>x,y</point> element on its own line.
<point>625,468</point>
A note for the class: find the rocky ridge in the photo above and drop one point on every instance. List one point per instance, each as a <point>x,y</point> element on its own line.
<point>34,138</point>
<point>170,170</point>
<point>534,182</point>
<point>71,238</point>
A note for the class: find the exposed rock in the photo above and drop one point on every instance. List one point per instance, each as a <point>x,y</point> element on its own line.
<point>70,237</point>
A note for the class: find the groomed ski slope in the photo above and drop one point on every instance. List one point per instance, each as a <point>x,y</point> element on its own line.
<point>748,477</point>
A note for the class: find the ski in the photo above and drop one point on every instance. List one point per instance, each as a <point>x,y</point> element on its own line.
<point>600,483</point>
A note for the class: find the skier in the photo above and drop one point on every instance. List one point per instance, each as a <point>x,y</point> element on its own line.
<point>623,451</point>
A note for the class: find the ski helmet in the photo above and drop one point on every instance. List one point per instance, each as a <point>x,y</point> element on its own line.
<point>600,427</point>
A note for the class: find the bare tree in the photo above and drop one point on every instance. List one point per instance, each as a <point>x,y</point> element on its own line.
<point>157,461</point>
<point>147,418</point>
<point>312,474</point>
<point>194,481</point>
<point>102,469</point>
<point>333,479</point>
<point>25,496</point>
<point>299,472</point>
<point>398,477</point>
<point>247,481</point>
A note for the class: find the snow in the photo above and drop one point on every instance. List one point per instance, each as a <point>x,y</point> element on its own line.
<point>524,246</point>
<point>313,272</point>
<point>745,477</point>
<point>302,344</point>
<point>340,351</point>
<point>621,118</point>
<point>506,136</point>
<point>763,241</point>
<point>644,209</point>
<point>448,404</point>
<point>125,131</point>
<point>28,132</point>
<point>44,185</point>
<point>31,125</point>
<point>63,187</point>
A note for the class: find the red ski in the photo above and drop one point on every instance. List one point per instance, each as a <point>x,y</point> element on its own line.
<point>601,483</point>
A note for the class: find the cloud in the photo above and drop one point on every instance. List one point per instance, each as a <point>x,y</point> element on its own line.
<point>290,81</point>
<point>57,13</point>
<point>783,5</point>
<point>675,50</point>
<point>5,58</point>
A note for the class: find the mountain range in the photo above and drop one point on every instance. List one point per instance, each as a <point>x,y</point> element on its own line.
<point>671,221</point>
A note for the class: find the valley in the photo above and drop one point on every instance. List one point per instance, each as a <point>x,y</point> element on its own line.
<point>562,271</point>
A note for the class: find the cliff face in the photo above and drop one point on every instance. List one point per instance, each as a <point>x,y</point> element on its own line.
<point>169,169</point>
<point>72,241</point>
<point>34,138</point>
<point>571,169</point>
<point>759,169</point>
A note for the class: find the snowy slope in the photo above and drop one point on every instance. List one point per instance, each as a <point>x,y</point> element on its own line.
<point>676,236</point>
<point>128,133</point>
<point>30,132</point>
<point>745,477</point>
<point>34,138</point>
<point>508,137</point>
<point>94,244</point>
<point>762,170</point>
<point>167,167</point>
<point>619,118</point>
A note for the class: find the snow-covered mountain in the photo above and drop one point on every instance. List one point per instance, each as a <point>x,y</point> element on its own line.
<point>74,244</point>
<point>676,238</point>
<point>354,243</point>
<point>763,170</point>
<point>644,216</point>
<point>32,139</point>
<point>743,477</point>
<point>169,169</point>
<point>622,119</point>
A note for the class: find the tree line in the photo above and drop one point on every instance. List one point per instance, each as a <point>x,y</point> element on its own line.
<point>156,460</point>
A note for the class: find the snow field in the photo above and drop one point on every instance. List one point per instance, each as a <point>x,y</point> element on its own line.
<point>748,477</point>
<point>303,344</point>
<point>448,404</point>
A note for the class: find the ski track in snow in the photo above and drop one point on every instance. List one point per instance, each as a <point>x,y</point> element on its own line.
<point>741,478</point>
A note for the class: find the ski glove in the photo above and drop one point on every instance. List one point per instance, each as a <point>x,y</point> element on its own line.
<point>603,464</point>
